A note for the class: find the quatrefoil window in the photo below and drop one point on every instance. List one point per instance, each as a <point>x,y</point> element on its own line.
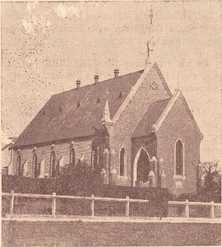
<point>154,85</point>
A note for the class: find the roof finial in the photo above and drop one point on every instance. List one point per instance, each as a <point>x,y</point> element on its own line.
<point>148,58</point>
<point>151,15</point>
<point>148,49</point>
<point>106,113</point>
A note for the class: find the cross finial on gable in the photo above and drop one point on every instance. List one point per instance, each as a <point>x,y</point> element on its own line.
<point>151,15</point>
<point>148,49</point>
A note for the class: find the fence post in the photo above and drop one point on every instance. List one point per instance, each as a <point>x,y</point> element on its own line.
<point>93,206</point>
<point>127,206</point>
<point>54,205</point>
<point>12,202</point>
<point>187,213</point>
<point>212,210</point>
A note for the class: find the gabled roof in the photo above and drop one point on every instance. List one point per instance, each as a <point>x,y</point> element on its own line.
<point>74,113</point>
<point>157,113</point>
<point>129,97</point>
<point>178,94</point>
<point>145,127</point>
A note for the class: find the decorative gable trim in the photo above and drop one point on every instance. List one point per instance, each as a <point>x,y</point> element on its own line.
<point>132,92</point>
<point>168,108</point>
<point>106,113</point>
<point>191,116</point>
<point>162,79</point>
<point>166,111</point>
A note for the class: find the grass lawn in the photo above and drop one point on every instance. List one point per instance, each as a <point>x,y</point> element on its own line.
<point>109,234</point>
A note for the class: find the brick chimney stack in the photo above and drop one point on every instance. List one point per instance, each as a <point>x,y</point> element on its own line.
<point>96,77</point>
<point>116,73</point>
<point>78,82</point>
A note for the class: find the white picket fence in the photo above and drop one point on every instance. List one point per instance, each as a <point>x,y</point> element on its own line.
<point>127,200</point>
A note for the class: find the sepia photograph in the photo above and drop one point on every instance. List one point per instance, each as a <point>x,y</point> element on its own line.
<point>111,123</point>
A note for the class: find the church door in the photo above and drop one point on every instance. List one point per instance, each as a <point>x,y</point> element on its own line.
<point>143,166</point>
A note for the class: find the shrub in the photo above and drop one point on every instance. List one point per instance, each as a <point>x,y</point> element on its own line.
<point>87,184</point>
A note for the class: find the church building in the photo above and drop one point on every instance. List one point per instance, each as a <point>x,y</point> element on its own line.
<point>129,128</point>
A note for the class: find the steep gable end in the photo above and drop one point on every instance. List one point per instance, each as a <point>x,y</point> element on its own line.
<point>154,78</point>
<point>177,95</point>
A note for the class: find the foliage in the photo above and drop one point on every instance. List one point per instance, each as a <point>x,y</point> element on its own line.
<point>210,190</point>
<point>81,180</point>
<point>212,187</point>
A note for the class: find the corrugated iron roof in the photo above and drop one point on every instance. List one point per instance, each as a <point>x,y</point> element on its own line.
<point>74,113</point>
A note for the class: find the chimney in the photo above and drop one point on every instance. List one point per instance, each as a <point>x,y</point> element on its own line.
<point>96,77</point>
<point>116,72</point>
<point>78,82</point>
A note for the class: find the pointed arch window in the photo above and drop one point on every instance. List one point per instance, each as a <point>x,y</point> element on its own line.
<point>35,166</point>
<point>122,162</point>
<point>52,164</point>
<point>95,157</point>
<point>106,160</point>
<point>179,153</point>
<point>19,165</point>
<point>72,156</point>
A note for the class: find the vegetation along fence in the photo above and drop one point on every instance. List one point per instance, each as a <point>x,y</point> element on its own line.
<point>96,206</point>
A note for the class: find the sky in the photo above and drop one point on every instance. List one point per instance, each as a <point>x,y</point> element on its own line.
<point>47,46</point>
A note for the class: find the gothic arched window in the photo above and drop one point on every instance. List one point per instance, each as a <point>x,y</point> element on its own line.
<point>106,160</point>
<point>179,158</point>
<point>122,162</point>
<point>35,166</point>
<point>95,157</point>
<point>52,164</point>
<point>72,156</point>
<point>19,165</point>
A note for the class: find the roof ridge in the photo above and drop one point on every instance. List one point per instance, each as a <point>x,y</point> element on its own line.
<point>138,71</point>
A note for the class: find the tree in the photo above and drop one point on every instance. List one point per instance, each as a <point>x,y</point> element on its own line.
<point>212,175</point>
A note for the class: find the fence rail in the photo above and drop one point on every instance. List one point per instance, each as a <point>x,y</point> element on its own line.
<point>127,200</point>
<point>187,205</point>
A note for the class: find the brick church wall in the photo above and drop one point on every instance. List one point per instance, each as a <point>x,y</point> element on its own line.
<point>121,132</point>
<point>61,150</point>
<point>179,125</point>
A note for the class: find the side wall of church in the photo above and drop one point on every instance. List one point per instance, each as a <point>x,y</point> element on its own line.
<point>179,125</point>
<point>121,132</point>
<point>61,150</point>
